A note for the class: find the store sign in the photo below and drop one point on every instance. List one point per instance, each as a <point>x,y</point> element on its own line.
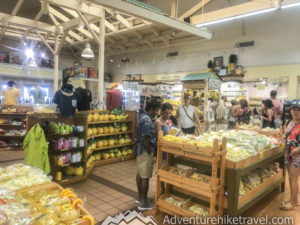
<point>214,84</point>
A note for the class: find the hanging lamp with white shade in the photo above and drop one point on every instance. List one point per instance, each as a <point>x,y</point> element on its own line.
<point>87,52</point>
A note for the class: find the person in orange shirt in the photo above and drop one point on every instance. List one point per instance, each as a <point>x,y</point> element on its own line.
<point>113,97</point>
<point>11,93</point>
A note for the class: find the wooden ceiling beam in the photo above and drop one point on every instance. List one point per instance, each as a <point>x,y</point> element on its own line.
<point>236,10</point>
<point>27,23</point>
<point>124,6</point>
<point>3,32</point>
<point>65,19</point>
<point>86,8</point>
<point>53,19</point>
<point>74,14</point>
<point>45,42</point>
<point>88,26</point>
<point>158,34</point>
<point>123,21</point>
<point>17,7</point>
<point>174,8</point>
<point>194,9</point>
<point>149,43</point>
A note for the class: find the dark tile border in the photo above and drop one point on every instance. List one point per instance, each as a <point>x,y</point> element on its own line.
<point>11,160</point>
<point>114,186</point>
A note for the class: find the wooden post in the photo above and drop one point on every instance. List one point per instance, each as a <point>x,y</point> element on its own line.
<point>101,62</point>
<point>158,166</point>
<point>174,8</point>
<point>214,177</point>
<point>56,44</point>
<point>222,177</point>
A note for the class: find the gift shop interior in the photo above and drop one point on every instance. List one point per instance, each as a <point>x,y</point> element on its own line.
<point>137,111</point>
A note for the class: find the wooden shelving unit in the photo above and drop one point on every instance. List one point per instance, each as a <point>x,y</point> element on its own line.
<point>234,204</point>
<point>110,121</point>
<point>109,134</point>
<point>131,121</point>
<point>111,147</point>
<point>209,189</point>
<point>8,126</point>
<point>78,119</point>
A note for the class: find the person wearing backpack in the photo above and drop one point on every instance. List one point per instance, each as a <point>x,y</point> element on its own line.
<point>292,155</point>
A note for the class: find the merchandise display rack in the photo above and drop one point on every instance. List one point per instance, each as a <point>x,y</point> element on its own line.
<point>21,116</point>
<point>234,204</point>
<point>54,152</point>
<point>209,192</point>
<point>130,121</point>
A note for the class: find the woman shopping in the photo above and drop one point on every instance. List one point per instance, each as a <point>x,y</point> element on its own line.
<point>268,117</point>
<point>187,116</point>
<point>292,155</point>
<point>244,113</point>
<point>166,121</point>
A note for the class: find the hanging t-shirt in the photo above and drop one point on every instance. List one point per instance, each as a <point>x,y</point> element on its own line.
<point>38,95</point>
<point>66,102</point>
<point>11,95</point>
<point>86,98</point>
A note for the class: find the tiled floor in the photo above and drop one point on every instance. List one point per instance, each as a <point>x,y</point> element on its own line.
<point>111,189</point>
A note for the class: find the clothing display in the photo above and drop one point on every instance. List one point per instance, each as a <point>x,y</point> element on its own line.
<point>10,96</point>
<point>38,95</point>
<point>36,149</point>
<point>86,99</point>
<point>113,99</point>
<point>66,102</point>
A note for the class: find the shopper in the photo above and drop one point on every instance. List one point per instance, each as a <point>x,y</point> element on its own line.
<point>145,140</point>
<point>66,100</point>
<point>38,94</point>
<point>166,121</point>
<point>292,155</point>
<point>232,112</point>
<point>11,93</point>
<point>277,108</point>
<point>244,113</point>
<point>187,116</point>
<point>86,98</point>
<point>113,97</point>
<point>267,116</point>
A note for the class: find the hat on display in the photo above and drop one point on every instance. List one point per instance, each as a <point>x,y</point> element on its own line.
<point>113,85</point>
<point>11,83</point>
<point>296,104</point>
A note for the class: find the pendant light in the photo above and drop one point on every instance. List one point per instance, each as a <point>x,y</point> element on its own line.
<point>87,52</point>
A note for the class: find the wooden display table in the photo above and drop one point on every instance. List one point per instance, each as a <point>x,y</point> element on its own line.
<point>210,187</point>
<point>235,205</point>
<point>55,186</point>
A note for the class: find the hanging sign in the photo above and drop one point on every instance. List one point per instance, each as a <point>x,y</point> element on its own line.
<point>214,84</point>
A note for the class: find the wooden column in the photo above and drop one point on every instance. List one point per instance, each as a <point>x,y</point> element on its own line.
<point>174,8</point>
<point>101,88</point>
<point>56,44</point>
